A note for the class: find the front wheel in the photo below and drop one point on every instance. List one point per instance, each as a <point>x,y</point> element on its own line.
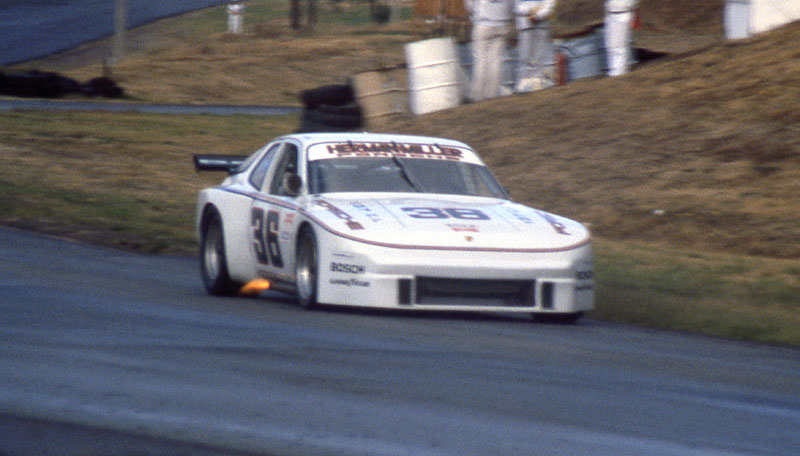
<point>306,269</point>
<point>213,263</point>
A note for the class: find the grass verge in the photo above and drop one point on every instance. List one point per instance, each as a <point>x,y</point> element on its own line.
<point>131,184</point>
<point>707,137</point>
<point>732,296</point>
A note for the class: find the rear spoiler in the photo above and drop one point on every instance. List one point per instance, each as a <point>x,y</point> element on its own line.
<point>228,163</point>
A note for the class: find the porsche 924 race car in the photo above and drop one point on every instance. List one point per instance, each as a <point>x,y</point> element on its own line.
<point>389,221</point>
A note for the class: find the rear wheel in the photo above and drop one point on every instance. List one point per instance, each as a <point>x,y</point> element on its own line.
<point>306,268</point>
<point>213,263</point>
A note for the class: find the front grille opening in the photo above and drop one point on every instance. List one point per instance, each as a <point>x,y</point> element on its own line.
<point>548,291</point>
<point>475,292</point>
<point>404,291</point>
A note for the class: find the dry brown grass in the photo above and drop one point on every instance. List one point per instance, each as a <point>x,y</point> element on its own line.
<point>710,136</point>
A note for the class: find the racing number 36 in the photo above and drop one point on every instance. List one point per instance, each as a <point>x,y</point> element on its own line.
<point>449,212</point>
<point>265,237</point>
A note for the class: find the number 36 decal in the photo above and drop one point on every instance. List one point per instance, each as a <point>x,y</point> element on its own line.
<point>265,237</point>
<point>449,212</point>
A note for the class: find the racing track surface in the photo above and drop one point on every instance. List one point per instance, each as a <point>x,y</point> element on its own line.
<point>101,349</point>
<point>35,28</point>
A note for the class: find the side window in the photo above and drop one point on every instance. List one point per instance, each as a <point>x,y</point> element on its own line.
<point>287,164</point>
<point>257,176</point>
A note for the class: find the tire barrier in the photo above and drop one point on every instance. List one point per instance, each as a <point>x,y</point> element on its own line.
<point>39,84</point>
<point>330,108</point>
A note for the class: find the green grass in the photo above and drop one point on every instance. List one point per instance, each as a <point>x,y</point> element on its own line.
<point>737,297</point>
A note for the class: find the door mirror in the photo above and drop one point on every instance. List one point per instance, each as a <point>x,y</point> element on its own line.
<point>291,184</point>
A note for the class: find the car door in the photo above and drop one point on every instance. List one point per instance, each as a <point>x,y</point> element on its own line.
<point>272,215</point>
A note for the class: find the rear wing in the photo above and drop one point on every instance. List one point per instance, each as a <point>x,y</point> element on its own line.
<point>228,163</point>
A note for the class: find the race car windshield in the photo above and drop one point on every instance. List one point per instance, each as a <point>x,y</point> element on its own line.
<point>402,175</point>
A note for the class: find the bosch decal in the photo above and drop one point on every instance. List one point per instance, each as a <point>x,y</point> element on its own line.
<point>347,268</point>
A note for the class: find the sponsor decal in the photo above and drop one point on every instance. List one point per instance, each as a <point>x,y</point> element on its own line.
<point>288,218</point>
<point>367,211</point>
<point>348,219</point>
<point>347,268</point>
<point>461,228</point>
<point>349,282</point>
<point>520,216</point>
<point>393,149</point>
<point>584,275</point>
<point>555,223</point>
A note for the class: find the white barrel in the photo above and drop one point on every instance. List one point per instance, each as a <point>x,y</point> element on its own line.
<point>435,79</point>
<point>737,19</point>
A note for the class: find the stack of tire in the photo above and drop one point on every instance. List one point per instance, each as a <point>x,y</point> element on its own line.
<point>330,108</point>
<point>39,84</point>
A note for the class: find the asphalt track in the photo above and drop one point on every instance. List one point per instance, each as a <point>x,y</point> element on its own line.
<point>35,28</point>
<point>95,106</point>
<point>107,352</point>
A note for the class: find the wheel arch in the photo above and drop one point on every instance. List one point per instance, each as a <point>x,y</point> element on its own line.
<point>209,211</point>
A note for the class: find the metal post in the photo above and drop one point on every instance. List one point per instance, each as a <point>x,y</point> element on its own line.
<point>120,23</point>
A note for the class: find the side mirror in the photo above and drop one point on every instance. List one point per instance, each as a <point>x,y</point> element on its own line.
<point>291,184</point>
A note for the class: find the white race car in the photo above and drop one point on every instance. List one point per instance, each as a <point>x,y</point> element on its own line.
<point>389,221</point>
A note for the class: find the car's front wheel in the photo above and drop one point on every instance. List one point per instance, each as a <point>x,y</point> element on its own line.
<point>213,263</point>
<point>306,268</point>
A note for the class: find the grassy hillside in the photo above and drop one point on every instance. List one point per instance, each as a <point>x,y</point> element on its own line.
<point>700,150</point>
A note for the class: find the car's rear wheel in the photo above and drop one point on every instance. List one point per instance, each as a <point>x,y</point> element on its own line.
<point>306,268</point>
<point>213,263</point>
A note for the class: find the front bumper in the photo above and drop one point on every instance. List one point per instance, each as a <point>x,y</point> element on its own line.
<point>358,274</point>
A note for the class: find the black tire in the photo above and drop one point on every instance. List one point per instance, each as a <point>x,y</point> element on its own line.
<point>333,120</point>
<point>213,262</point>
<point>306,268</point>
<point>334,95</point>
<point>558,318</point>
<point>348,110</point>
<point>309,126</point>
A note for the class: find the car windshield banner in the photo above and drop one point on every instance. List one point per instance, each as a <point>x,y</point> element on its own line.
<point>322,151</point>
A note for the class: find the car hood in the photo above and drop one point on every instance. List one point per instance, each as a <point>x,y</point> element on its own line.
<point>445,222</point>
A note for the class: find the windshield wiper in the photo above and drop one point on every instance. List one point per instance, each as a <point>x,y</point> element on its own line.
<point>407,177</point>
